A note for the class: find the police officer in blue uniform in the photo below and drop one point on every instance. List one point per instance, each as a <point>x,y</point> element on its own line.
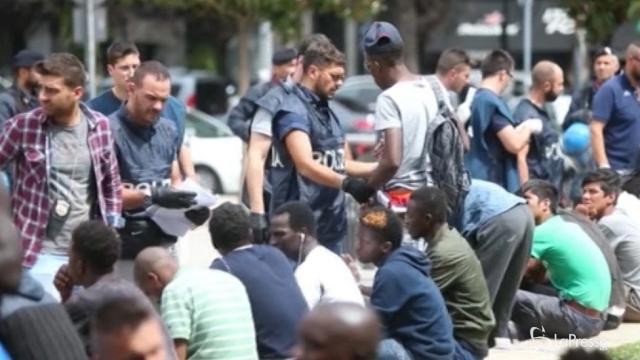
<point>310,158</point>
<point>146,147</point>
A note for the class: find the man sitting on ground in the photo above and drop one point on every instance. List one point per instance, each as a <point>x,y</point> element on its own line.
<point>32,324</point>
<point>600,190</point>
<point>276,301</point>
<point>455,269</point>
<point>339,331</point>
<point>207,312</point>
<point>93,252</point>
<point>125,326</point>
<point>406,299</point>
<point>576,268</point>
<point>321,274</point>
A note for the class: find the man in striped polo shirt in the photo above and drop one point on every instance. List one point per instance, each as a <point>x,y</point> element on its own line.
<point>207,312</point>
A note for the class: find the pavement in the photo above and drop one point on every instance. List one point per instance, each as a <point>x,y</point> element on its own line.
<point>196,250</point>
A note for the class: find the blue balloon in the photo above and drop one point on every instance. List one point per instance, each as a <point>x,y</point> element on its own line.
<point>576,139</point>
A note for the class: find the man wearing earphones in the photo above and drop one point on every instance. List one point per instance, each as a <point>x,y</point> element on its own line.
<point>322,275</point>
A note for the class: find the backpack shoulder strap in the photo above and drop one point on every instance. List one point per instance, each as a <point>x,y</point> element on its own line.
<point>437,90</point>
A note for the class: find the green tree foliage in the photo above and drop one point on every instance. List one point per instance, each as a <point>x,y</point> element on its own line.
<point>285,16</point>
<point>601,18</point>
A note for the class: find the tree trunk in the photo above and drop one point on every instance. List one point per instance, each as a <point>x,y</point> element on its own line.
<point>244,67</point>
<point>403,14</point>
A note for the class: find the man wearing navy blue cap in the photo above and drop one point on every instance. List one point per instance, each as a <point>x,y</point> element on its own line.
<point>605,66</point>
<point>22,95</point>
<point>408,104</point>
<point>284,64</point>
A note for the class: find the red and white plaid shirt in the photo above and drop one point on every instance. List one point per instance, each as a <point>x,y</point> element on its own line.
<point>23,139</point>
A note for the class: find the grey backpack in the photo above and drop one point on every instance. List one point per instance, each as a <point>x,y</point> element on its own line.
<point>444,146</point>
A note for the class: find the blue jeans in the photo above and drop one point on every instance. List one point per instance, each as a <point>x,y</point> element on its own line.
<point>45,269</point>
<point>390,349</point>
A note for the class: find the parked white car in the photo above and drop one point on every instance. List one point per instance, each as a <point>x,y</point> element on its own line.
<point>216,152</point>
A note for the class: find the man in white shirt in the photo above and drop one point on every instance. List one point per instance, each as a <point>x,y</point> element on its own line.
<point>322,275</point>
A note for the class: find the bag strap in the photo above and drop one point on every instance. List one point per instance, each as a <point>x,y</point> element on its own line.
<point>437,90</point>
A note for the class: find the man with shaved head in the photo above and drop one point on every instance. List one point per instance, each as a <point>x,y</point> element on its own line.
<point>543,158</point>
<point>339,331</point>
<point>615,128</point>
<point>207,312</point>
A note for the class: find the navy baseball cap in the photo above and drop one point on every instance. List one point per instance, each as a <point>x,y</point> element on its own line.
<point>382,38</point>
<point>283,56</point>
<point>26,58</point>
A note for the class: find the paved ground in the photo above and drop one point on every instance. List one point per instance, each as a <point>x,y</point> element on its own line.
<point>196,250</point>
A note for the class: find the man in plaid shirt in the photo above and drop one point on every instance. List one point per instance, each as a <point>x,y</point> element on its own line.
<point>66,170</point>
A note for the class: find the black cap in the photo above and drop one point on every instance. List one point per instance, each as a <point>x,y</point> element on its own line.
<point>601,52</point>
<point>283,56</point>
<point>382,38</point>
<point>26,58</point>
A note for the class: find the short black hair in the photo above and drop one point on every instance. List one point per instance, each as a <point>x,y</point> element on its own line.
<point>229,226</point>
<point>119,50</point>
<point>632,185</point>
<point>610,181</point>
<point>432,200</point>
<point>544,190</point>
<point>300,216</point>
<point>150,68</point>
<point>97,244</point>
<point>385,223</point>
<point>118,310</point>
<point>496,61</point>
<point>450,59</point>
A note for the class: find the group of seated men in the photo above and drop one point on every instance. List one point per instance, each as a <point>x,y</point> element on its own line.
<point>580,275</point>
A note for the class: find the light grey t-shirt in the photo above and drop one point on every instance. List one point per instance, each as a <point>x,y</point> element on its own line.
<point>408,105</point>
<point>261,123</point>
<point>69,183</point>
<point>623,234</point>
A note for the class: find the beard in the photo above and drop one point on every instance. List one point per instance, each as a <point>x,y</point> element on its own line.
<point>550,96</point>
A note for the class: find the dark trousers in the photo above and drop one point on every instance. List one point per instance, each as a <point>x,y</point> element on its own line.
<point>503,246</point>
<point>542,315</point>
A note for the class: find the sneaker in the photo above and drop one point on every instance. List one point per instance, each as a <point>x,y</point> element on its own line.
<point>502,343</point>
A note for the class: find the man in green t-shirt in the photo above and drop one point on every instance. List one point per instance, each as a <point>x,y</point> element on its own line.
<point>455,269</point>
<point>575,266</point>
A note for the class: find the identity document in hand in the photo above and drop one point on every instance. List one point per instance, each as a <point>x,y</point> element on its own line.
<point>173,221</point>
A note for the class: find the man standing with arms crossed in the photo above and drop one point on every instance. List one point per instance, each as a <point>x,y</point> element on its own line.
<point>66,170</point>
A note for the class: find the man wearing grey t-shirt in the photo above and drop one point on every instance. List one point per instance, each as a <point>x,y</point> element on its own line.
<point>404,110</point>
<point>600,191</point>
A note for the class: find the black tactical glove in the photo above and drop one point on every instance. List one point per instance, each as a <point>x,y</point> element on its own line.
<point>259,227</point>
<point>172,199</point>
<point>358,188</point>
<point>198,216</point>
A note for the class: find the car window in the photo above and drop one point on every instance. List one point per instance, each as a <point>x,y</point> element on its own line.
<point>205,129</point>
<point>211,96</point>
<point>360,97</point>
